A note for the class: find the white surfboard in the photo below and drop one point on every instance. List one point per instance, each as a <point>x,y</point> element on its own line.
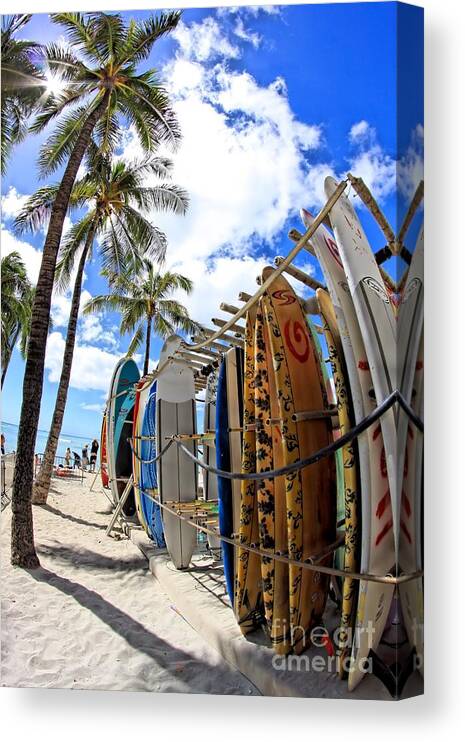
<point>374,599</point>
<point>210,481</point>
<point>410,343</point>
<point>177,476</point>
<point>410,548</point>
<point>375,315</point>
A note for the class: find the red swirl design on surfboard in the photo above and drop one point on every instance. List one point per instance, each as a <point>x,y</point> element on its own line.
<point>295,336</point>
<point>284,297</point>
<point>332,247</point>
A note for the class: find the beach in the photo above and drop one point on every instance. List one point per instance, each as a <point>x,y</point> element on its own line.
<point>93,616</point>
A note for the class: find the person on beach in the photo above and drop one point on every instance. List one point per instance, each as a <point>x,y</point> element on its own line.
<point>3,445</point>
<point>68,458</point>
<point>85,457</point>
<point>77,460</point>
<point>93,454</point>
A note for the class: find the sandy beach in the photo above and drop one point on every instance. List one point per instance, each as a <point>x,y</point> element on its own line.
<point>93,616</point>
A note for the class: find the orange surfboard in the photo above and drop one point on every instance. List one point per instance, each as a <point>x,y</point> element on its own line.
<point>310,492</point>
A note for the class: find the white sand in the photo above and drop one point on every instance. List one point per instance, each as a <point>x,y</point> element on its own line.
<point>93,616</point>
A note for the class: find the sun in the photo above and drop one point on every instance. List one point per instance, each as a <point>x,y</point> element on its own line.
<point>55,84</point>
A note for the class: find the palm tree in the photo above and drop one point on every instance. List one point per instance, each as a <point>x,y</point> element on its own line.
<point>146,305</point>
<point>101,87</point>
<point>17,294</point>
<point>22,83</point>
<point>114,194</point>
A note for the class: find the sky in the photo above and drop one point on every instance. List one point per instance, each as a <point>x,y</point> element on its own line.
<point>270,100</point>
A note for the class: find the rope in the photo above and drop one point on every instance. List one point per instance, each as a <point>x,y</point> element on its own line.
<point>311,564</point>
<point>322,453</point>
<point>157,457</point>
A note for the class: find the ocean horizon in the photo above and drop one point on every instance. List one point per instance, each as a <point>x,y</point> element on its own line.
<point>66,440</point>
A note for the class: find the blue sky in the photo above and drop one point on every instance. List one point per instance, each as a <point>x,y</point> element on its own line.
<point>270,101</point>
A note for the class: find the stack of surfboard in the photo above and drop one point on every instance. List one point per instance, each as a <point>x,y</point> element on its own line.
<point>273,403</point>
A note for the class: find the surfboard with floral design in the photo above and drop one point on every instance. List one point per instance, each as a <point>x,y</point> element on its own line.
<point>248,596</point>
<point>351,494</point>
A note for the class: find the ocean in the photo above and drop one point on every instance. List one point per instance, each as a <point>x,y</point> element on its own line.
<point>74,442</point>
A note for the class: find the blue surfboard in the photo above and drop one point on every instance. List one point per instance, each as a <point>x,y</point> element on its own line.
<point>148,472</point>
<point>121,420</point>
<point>229,417</point>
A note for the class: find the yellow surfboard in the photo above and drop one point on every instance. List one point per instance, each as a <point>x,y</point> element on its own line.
<point>351,495</point>
<point>248,596</point>
<point>310,492</point>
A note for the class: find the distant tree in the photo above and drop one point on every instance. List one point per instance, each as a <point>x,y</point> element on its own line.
<point>17,295</point>
<point>146,306</point>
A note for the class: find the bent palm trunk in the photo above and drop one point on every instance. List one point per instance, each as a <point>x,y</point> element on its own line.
<point>42,484</point>
<point>147,345</point>
<point>23,553</point>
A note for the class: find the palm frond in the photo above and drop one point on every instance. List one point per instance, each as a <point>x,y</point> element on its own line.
<point>71,248</point>
<point>142,36</point>
<point>136,342</point>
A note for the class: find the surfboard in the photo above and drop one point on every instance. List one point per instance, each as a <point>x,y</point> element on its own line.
<point>410,550</point>
<point>377,543</point>
<point>148,468</point>
<point>330,391</point>
<point>119,429</point>
<point>351,530</point>
<point>410,336</point>
<point>176,473</point>
<point>210,481</point>
<point>311,492</point>
<point>271,493</point>
<point>229,421</point>
<point>103,452</point>
<point>136,452</point>
<point>248,597</point>
<point>376,318</point>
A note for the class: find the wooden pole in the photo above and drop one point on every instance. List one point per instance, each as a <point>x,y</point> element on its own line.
<point>300,275</point>
<point>221,323</point>
<point>364,192</point>
<point>119,506</point>
<point>416,201</point>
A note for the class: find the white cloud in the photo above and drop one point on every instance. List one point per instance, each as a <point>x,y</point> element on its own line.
<point>370,162</point>
<point>61,307</point>
<point>253,10</point>
<point>242,159</point>
<point>246,35</point>
<point>93,407</point>
<point>204,41</point>
<point>12,203</point>
<point>360,131</point>
<point>92,366</point>
<point>31,257</point>
<point>378,170</point>
<point>220,280</point>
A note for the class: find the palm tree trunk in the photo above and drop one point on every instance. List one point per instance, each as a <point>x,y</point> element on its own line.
<point>147,345</point>
<point>8,352</point>
<point>42,483</point>
<point>23,553</point>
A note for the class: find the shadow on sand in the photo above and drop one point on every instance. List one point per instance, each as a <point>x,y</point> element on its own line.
<point>166,657</point>
<point>72,518</point>
<point>88,559</point>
